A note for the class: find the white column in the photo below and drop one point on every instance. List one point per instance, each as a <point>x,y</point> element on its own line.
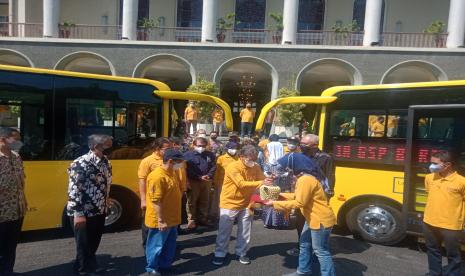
<point>209,20</point>
<point>290,18</point>
<point>12,17</point>
<point>456,25</point>
<point>51,18</point>
<point>373,11</point>
<point>130,8</point>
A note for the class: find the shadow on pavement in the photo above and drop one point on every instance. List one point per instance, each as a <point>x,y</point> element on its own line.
<point>117,266</point>
<point>344,245</point>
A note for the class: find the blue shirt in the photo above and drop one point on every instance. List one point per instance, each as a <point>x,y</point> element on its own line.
<point>200,164</point>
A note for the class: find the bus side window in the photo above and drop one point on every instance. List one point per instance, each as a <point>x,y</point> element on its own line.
<point>435,128</point>
<point>396,124</point>
<point>25,112</point>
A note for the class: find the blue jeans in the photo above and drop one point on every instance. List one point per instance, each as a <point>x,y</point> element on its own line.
<point>160,248</point>
<point>246,129</point>
<point>315,241</point>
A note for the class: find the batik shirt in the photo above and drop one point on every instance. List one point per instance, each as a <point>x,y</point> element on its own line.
<point>12,199</point>
<point>89,185</point>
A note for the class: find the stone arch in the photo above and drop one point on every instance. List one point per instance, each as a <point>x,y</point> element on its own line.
<point>86,62</point>
<point>413,71</point>
<point>321,74</point>
<point>15,58</point>
<point>175,71</point>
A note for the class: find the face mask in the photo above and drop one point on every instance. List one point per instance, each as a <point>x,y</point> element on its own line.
<point>199,149</point>
<point>177,166</point>
<point>291,147</point>
<point>232,151</point>
<point>249,163</point>
<point>14,144</point>
<point>213,137</point>
<point>202,135</point>
<point>435,168</point>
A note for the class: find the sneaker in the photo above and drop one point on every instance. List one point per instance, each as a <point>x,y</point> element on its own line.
<point>218,261</point>
<point>244,260</point>
<point>293,252</point>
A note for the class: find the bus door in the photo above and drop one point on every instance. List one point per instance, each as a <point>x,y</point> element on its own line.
<point>431,128</point>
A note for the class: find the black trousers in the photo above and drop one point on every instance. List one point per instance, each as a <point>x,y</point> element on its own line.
<point>299,223</point>
<point>9,237</point>
<point>87,237</point>
<point>268,129</point>
<point>434,236</point>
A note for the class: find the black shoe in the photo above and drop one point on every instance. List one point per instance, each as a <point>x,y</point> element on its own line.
<point>244,260</point>
<point>293,252</point>
<point>218,261</point>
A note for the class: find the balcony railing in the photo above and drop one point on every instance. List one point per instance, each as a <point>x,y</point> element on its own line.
<point>419,40</point>
<point>250,36</point>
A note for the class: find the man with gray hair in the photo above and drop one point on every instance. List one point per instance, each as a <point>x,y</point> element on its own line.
<point>88,191</point>
<point>12,199</point>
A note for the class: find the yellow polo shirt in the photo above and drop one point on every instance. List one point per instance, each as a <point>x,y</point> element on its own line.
<point>190,114</point>
<point>163,187</point>
<point>445,206</point>
<point>377,129</point>
<point>310,198</point>
<point>240,182</point>
<point>247,115</point>
<point>221,163</point>
<point>148,164</point>
<point>218,116</point>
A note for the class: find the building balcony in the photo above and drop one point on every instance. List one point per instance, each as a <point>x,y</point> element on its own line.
<point>238,36</point>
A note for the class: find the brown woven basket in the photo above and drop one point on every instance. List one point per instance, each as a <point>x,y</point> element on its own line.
<point>270,192</point>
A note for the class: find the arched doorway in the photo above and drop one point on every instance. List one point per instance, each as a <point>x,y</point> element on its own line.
<point>246,79</point>
<point>86,62</point>
<point>10,57</point>
<point>173,70</point>
<point>413,71</point>
<point>319,75</point>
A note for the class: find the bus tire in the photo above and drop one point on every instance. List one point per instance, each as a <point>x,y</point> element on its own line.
<point>377,222</point>
<point>122,206</point>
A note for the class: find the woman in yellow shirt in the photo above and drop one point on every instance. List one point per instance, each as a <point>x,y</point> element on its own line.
<point>311,199</point>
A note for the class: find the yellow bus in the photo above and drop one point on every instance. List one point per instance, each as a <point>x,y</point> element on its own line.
<point>56,111</point>
<point>382,137</point>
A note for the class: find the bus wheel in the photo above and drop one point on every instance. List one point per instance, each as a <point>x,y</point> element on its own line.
<point>120,210</point>
<point>377,223</point>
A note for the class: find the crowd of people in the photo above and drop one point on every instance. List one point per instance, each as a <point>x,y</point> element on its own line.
<point>216,184</point>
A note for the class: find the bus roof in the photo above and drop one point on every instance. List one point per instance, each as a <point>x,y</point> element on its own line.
<point>333,91</point>
<point>157,84</point>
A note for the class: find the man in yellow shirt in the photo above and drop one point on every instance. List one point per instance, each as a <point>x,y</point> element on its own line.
<point>241,179</point>
<point>218,119</point>
<point>377,128</point>
<point>190,117</point>
<point>444,215</point>
<point>247,115</point>
<point>163,213</point>
<point>311,199</point>
<point>221,163</point>
<point>146,166</point>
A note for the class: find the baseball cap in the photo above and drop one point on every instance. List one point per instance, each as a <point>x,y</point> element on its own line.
<point>231,145</point>
<point>172,154</point>
<point>293,140</point>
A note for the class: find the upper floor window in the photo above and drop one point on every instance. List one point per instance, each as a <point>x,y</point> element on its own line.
<point>359,14</point>
<point>189,13</point>
<point>311,14</point>
<point>250,14</point>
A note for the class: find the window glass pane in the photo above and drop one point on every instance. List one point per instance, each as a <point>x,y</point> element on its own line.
<point>311,14</point>
<point>250,14</point>
<point>397,124</point>
<point>189,13</point>
<point>25,112</point>
<point>359,14</point>
<point>360,123</point>
<point>438,128</point>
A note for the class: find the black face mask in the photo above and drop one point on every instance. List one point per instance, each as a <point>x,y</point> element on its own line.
<point>213,137</point>
<point>308,150</point>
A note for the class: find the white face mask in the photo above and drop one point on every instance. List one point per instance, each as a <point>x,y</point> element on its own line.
<point>249,163</point>
<point>177,166</point>
<point>232,151</point>
<point>199,149</point>
<point>202,135</point>
<point>291,147</point>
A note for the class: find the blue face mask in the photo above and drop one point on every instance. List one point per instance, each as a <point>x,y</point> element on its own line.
<point>435,168</point>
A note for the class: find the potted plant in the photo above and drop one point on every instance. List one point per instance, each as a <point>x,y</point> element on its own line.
<point>144,26</point>
<point>205,109</point>
<point>277,27</point>
<point>65,28</point>
<point>224,24</point>
<point>437,30</point>
<point>289,115</point>
<point>343,33</point>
